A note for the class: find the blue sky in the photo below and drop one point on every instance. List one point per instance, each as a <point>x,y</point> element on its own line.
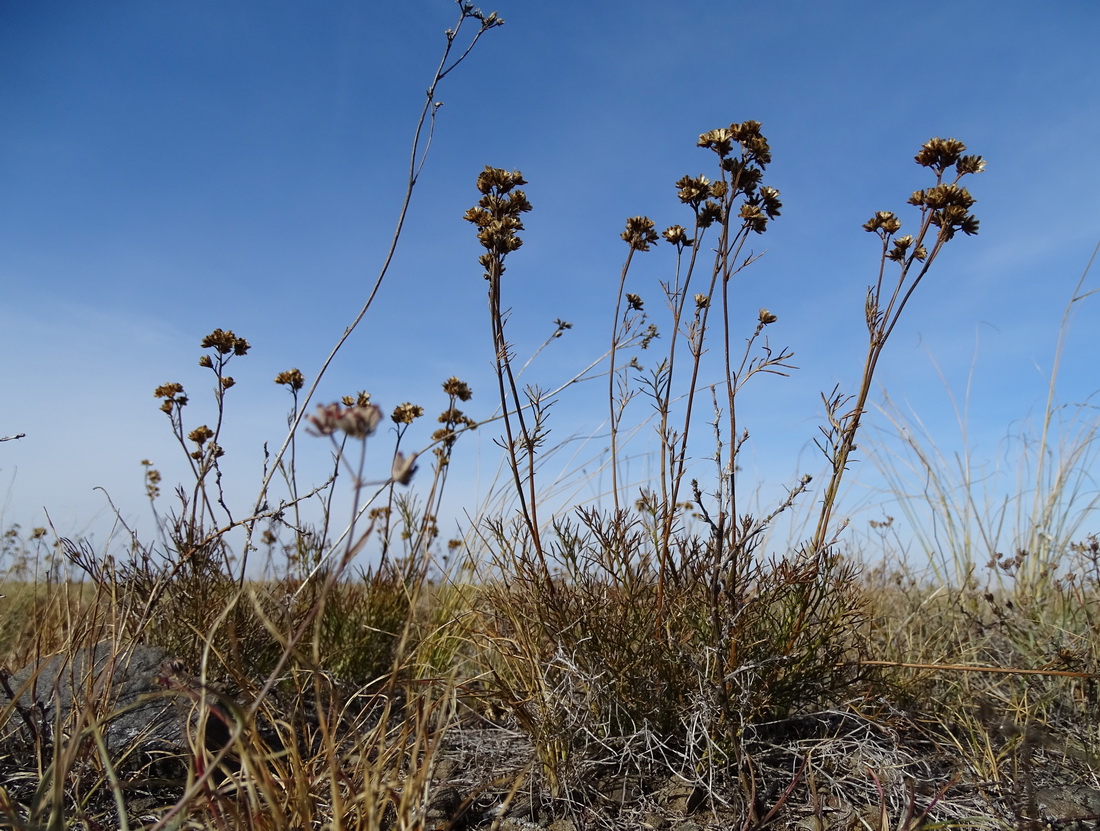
<point>169,168</point>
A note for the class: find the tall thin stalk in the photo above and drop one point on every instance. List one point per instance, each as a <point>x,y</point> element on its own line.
<point>944,207</point>
<point>497,217</point>
<point>418,155</point>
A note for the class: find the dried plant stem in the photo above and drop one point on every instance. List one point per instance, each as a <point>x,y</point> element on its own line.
<point>944,207</point>
<point>417,159</point>
<point>613,414</point>
<point>503,364</point>
<point>678,295</point>
<point>1045,497</point>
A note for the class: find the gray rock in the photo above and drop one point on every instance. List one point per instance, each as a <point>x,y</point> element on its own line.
<point>135,695</point>
<point>1077,804</point>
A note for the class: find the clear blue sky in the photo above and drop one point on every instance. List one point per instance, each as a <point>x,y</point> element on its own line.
<point>168,168</point>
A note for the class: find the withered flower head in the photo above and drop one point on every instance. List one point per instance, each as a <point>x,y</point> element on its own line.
<point>701,301</point>
<point>884,221</point>
<point>744,177</point>
<point>291,378</point>
<point>406,413</point>
<point>225,342</point>
<point>677,235</point>
<point>767,317</point>
<point>173,396</point>
<point>943,196</point>
<point>169,391</point>
<point>952,219</point>
<point>403,468</point>
<point>360,421</point>
<point>639,233</point>
<point>459,389</point>
<point>769,200</point>
<point>753,218</point>
<point>488,21</point>
<point>205,361</point>
<point>497,216</point>
<point>901,246</point>
<point>326,420</point>
<point>939,153</point>
<point>356,421</point>
<point>720,141</point>
<point>361,399</point>
<point>494,179</point>
<point>201,435</point>
<point>949,204</point>
<point>754,145</point>
<point>710,213</point>
<point>693,191</point>
<point>634,302</point>
<point>969,164</point>
<point>452,416</point>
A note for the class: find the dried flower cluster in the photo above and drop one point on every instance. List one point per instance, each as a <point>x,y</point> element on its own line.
<point>712,201</point>
<point>946,205</point>
<point>225,343</point>
<point>459,389</point>
<point>292,378</point>
<point>488,21</point>
<point>639,233</point>
<point>201,435</point>
<point>152,480</point>
<point>745,172</point>
<point>360,399</point>
<point>678,236</point>
<point>406,413</point>
<point>173,396</point>
<point>452,419</point>
<point>356,421</point>
<point>497,216</point>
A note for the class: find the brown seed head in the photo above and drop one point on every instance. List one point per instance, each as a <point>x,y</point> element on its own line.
<point>406,413</point>
<point>225,342</point>
<point>677,235</point>
<point>639,233</point>
<point>291,378</point>
<point>169,391</point>
<point>693,191</point>
<point>201,435</point>
<point>459,389</point>
<point>883,221</point>
<point>939,153</point>
<point>720,141</point>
